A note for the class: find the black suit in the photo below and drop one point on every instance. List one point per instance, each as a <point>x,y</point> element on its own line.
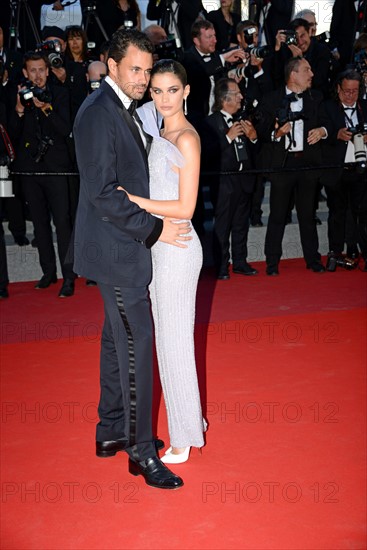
<point>46,193</point>
<point>112,241</point>
<point>187,13</point>
<point>278,17</point>
<point>231,194</point>
<point>344,187</point>
<point>284,184</point>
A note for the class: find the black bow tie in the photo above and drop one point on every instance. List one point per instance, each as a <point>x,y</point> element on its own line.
<point>206,57</point>
<point>294,97</point>
<point>349,108</point>
<point>132,107</point>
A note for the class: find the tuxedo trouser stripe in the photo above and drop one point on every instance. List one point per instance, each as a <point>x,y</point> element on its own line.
<point>132,383</point>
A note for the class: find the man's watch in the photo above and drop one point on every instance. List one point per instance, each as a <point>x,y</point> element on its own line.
<point>48,111</point>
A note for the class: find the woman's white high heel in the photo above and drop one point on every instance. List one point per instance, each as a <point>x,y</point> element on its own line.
<point>170,458</point>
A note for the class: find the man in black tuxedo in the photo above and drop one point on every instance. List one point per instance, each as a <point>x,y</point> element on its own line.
<point>176,16</point>
<point>204,66</point>
<point>347,188</point>
<point>41,128</point>
<point>113,237</point>
<point>230,148</point>
<point>292,145</point>
<point>347,23</point>
<point>270,15</point>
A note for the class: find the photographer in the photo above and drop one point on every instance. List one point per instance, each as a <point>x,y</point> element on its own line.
<point>348,186</point>
<point>40,123</point>
<point>291,127</point>
<point>230,146</point>
<point>297,41</point>
<point>67,55</point>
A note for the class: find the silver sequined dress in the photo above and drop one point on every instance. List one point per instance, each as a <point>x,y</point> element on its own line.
<point>173,293</point>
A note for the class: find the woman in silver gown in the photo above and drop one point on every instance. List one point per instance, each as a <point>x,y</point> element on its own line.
<point>174,165</point>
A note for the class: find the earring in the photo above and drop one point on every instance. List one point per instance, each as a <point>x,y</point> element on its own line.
<point>185,106</point>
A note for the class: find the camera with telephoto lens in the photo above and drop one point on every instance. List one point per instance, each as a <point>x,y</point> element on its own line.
<point>43,146</point>
<point>335,260</point>
<point>6,185</point>
<point>168,50</point>
<point>51,48</point>
<point>30,91</point>
<point>290,37</point>
<point>260,52</point>
<point>360,154</point>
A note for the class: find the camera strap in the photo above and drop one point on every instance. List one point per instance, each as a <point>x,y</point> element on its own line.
<point>8,144</point>
<point>348,119</point>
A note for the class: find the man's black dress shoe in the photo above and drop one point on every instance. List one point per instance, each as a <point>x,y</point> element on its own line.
<point>155,473</point>
<point>272,270</point>
<point>67,288</point>
<point>4,293</point>
<point>316,267</point>
<point>223,274</point>
<point>105,449</point>
<point>46,280</point>
<point>245,269</point>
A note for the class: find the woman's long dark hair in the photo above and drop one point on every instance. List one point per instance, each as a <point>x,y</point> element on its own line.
<point>76,31</point>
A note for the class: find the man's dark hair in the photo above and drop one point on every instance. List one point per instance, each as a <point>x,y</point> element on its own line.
<point>292,65</point>
<point>299,22</point>
<point>34,56</point>
<point>123,38</point>
<point>221,93</point>
<point>198,25</point>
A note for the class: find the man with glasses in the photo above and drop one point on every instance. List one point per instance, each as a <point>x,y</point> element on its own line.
<point>348,186</point>
<point>231,147</point>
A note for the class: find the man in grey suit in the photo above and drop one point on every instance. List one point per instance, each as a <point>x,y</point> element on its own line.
<point>112,241</point>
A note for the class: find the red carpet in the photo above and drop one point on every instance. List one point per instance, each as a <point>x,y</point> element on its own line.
<point>282,367</point>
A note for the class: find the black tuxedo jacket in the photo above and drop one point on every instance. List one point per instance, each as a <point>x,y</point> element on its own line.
<point>112,234</point>
<point>220,154</point>
<point>187,13</point>
<point>278,16</point>
<point>334,149</point>
<point>198,76</point>
<point>274,152</point>
<point>28,130</point>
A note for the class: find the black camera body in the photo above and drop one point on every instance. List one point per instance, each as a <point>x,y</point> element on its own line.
<point>249,35</point>
<point>285,114</point>
<point>359,129</point>
<point>168,50</point>
<point>290,37</point>
<point>249,112</point>
<point>43,146</point>
<point>52,49</point>
<point>338,260</point>
<point>30,91</point>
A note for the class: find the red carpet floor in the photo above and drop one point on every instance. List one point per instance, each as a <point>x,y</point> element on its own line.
<point>281,364</point>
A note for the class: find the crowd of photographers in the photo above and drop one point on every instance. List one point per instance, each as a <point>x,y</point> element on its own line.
<point>281,111</point>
